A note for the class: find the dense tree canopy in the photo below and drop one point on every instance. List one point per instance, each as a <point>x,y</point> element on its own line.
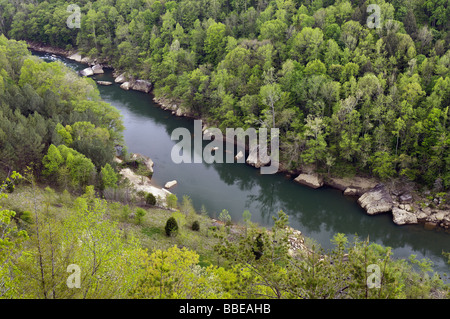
<point>381,94</point>
<point>347,98</point>
<point>52,120</point>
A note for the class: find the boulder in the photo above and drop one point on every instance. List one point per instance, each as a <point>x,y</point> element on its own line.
<point>76,57</point>
<point>405,198</point>
<point>350,191</point>
<point>311,180</point>
<point>360,183</point>
<point>406,207</point>
<point>142,183</point>
<point>141,85</point>
<point>87,72</point>
<point>125,86</point>
<point>86,60</point>
<point>170,184</point>
<point>120,79</point>
<point>104,82</point>
<point>239,155</point>
<point>376,201</point>
<point>422,216</point>
<point>438,216</point>
<point>255,160</point>
<point>147,161</point>
<point>402,217</point>
<point>97,69</point>
<point>149,164</point>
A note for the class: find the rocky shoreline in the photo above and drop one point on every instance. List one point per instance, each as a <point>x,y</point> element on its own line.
<point>406,204</point>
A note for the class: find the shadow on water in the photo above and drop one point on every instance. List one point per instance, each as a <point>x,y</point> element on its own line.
<point>319,214</point>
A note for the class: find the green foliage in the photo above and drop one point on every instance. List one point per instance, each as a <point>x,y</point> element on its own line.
<point>69,167</point>
<point>150,199</point>
<point>325,63</point>
<point>171,201</point>
<point>175,273</point>
<point>46,106</point>
<point>152,231</point>
<point>266,266</point>
<point>109,177</point>
<point>225,217</point>
<point>11,241</point>
<point>257,263</point>
<point>347,99</point>
<point>195,225</point>
<point>171,227</point>
<point>139,215</point>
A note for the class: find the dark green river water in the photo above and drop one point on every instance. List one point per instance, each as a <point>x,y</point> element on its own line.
<point>318,214</point>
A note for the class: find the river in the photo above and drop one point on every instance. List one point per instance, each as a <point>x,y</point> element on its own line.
<point>318,213</point>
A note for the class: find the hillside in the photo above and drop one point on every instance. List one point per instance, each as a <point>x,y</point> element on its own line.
<point>353,89</point>
<point>72,227</point>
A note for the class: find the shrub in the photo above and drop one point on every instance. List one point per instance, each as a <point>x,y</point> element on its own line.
<point>225,217</point>
<point>171,201</point>
<point>150,199</point>
<point>171,226</point>
<point>9,186</point>
<point>196,226</point>
<point>140,213</point>
<point>126,212</point>
<point>26,216</point>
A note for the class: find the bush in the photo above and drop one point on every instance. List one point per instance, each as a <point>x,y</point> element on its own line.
<point>171,201</point>
<point>9,186</point>
<point>140,213</point>
<point>171,226</point>
<point>196,226</point>
<point>126,211</point>
<point>150,199</point>
<point>225,217</point>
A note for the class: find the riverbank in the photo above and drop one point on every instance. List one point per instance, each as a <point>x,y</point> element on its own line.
<point>407,203</point>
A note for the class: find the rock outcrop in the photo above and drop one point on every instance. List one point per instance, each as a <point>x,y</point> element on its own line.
<point>254,158</point>
<point>239,155</point>
<point>104,82</point>
<point>170,184</point>
<point>403,217</point>
<point>87,72</point>
<point>125,86</point>
<point>143,183</point>
<point>311,180</point>
<point>147,161</point>
<point>121,78</point>
<point>75,57</point>
<point>142,86</point>
<point>97,69</point>
<point>376,201</point>
<point>350,191</point>
<point>87,60</point>
<point>406,198</point>
<point>351,185</point>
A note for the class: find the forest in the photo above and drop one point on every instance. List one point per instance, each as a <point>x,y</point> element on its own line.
<point>54,218</point>
<point>347,98</point>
